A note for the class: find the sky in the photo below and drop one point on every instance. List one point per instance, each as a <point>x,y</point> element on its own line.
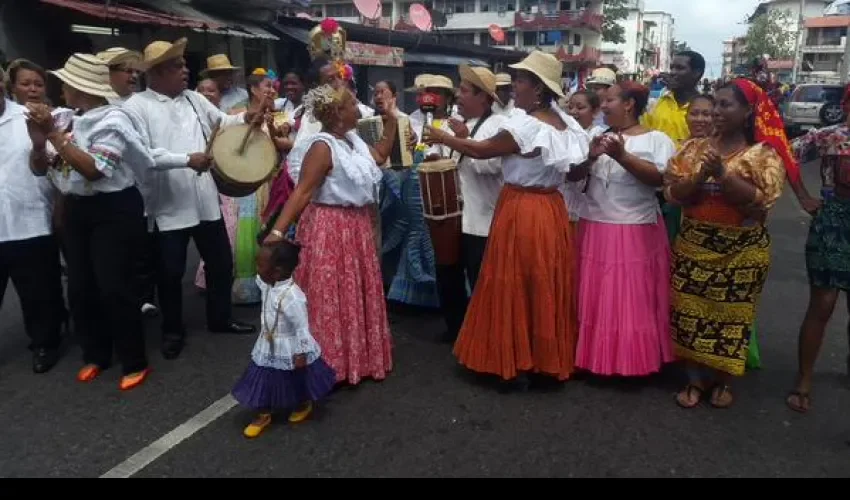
<point>704,24</point>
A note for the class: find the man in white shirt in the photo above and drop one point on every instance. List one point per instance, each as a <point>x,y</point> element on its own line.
<point>184,203</point>
<point>29,253</point>
<point>123,72</point>
<point>504,91</point>
<point>220,70</point>
<point>480,184</point>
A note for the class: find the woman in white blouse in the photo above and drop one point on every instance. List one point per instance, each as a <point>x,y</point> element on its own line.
<point>522,317</point>
<point>103,216</point>
<point>338,270</point>
<point>624,270</point>
<point>29,254</point>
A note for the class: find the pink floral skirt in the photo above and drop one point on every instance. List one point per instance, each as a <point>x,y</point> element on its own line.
<point>341,277</point>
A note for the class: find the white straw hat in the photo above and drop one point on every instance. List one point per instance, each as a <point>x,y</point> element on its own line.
<point>88,74</point>
<point>544,66</point>
<point>503,79</point>
<point>480,77</point>
<point>159,51</point>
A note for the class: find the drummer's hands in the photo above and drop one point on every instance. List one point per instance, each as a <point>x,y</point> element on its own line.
<point>459,128</point>
<point>434,136</point>
<point>257,114</point>
<point>200,162</point>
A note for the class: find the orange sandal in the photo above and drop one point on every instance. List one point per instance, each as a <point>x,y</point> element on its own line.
<point>88,373</point>
<point>133,380</point>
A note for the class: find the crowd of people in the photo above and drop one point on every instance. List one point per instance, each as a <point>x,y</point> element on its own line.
<point>599,236</point>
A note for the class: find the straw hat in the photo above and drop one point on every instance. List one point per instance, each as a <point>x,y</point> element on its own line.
<point>119,55</point>
<point>218,62</point>
<point>602,76</point>
<point>481,78</point>
<point>158,52</point>
<point>503,79</point>
<point>419,82</point>
<point>88,74</point>
<point>544,66</point>
<point>437,82</point>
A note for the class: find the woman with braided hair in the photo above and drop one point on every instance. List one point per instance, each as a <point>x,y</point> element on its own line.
<point>336,189</point>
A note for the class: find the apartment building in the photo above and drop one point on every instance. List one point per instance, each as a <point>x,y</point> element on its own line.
<point>568,28</point>
<point>824,50</point>
<point>658,39</point>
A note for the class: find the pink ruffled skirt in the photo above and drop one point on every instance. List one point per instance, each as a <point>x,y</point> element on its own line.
<point>623,298</point>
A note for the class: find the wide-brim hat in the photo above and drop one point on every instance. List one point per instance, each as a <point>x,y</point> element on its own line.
<point>115,56</point>
<point>218,62</point>
<point>544,66</point>
<point>159,51</point>
<point>88,74</point>
<point>437,82</point>
<point>503,80</point>
<point>419,82</point>
<point>602,76</point>
<point>481,78</point>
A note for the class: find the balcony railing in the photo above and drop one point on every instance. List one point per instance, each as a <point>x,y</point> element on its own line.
<point>559,20</point>
<point>585,55</point>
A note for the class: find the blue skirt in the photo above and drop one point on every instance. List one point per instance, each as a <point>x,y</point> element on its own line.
<point>262,388</point>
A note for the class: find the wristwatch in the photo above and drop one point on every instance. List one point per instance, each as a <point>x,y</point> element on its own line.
<point>277,233</point>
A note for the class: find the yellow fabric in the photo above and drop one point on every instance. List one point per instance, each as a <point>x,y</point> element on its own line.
<point>759,164</point>
<point>668,117</point>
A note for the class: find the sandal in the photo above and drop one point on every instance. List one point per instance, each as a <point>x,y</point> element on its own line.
<point>803,401</point>
<point>717,394</point>
<point>688,392</point>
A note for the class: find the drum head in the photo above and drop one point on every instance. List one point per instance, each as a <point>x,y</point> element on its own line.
<point>254,166</point>
<point>443,165</point>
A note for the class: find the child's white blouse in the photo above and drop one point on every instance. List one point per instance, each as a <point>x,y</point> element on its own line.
<point>284,315</point>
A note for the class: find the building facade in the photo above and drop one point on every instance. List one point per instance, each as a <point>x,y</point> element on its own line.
<point>824,50</point>
<point>659,37</point>
<point>571,29</point>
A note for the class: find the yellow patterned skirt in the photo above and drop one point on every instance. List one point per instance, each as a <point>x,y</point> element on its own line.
<point>718,275</point>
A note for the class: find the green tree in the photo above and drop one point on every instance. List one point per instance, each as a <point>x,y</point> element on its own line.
<point>614,10</point>
<point>767,34</point>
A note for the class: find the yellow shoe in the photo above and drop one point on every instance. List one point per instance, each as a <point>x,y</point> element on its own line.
<point>258,425</point>
<point>301,414</point>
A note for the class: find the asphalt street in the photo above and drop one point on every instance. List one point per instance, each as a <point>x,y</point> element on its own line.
<point>430,418</point>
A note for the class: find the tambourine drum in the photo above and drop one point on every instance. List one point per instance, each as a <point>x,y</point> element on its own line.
<point>442,206</point>
<point>238,175</point>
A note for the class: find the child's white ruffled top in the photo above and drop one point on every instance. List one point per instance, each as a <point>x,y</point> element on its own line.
<point>285,330</point>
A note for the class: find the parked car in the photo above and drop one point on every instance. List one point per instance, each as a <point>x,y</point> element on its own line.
<point>814,105</point>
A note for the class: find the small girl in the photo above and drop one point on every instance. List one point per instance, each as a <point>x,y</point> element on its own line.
<point>286,371</point>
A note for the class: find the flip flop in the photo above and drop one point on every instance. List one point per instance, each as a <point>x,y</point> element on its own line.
<point>803,399</point>
<point>688,390</point>
<point>718,391</point>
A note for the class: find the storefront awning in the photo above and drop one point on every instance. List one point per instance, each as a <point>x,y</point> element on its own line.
<point>169,14</point>
<point>127,14</point>
<point>226,27</point>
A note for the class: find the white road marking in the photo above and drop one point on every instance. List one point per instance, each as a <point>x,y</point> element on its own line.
<point>161,446</point>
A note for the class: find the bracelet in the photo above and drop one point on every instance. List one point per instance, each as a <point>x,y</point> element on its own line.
<point>277,233</point>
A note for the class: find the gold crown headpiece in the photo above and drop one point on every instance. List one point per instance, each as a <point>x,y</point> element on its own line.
<point>327,39</point>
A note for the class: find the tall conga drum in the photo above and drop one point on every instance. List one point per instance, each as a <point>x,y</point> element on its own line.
<point>442,205</point>
<point>240,172</point>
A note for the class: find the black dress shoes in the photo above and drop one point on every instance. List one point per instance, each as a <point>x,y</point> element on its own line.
<point>236,327</point>
<point>171,348</point>
<point>44,359</point>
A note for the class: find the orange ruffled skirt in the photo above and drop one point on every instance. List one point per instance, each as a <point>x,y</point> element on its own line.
<point>522,317</point>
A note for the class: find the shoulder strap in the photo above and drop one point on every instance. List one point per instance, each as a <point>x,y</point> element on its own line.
<point>487,114</point>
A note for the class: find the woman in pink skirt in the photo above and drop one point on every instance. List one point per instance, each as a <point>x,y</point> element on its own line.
<point>337,188</point>
<point>624,254</point>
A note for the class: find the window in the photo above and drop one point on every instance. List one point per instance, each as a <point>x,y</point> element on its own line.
<point>460,38</point>
<point>506,5</point>
<point>386,10</point>
<point>566,5</point>
<point>455,6</point>
<point>341,10</point>
<point>488,5</point>
<point>576,39</point>
<point>529,38</point>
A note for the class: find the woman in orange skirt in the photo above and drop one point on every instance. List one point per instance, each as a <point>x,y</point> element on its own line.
<point>522,317</point>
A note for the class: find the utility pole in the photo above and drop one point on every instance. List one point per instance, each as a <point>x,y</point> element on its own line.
<point>798,46</point>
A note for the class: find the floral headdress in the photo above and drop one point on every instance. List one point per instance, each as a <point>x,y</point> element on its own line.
<point>328,39</point>
<point>271,75</point>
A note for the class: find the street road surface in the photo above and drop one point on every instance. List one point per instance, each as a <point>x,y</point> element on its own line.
<point>430,418</point>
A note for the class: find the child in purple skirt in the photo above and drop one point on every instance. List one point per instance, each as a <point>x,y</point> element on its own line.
<point>287,371</point>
